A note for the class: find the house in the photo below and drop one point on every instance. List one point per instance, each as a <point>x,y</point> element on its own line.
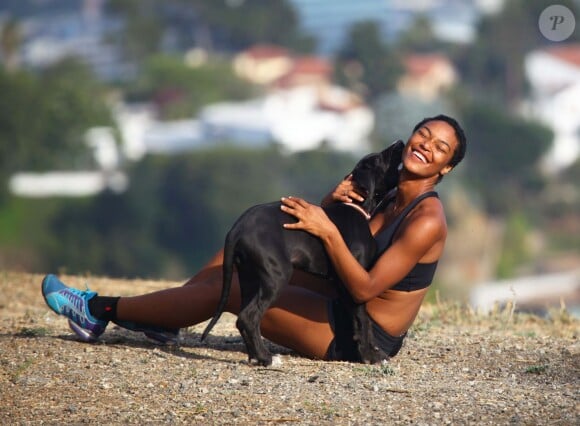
<point>302,109</point>
<point>536,294</point>
<point>301,118</point>
<point>307,71</point>
<point>263,64</point>
<point>77,183</point>
<point>426,76</point>
<point>142,133</point>
<point>554,77</point>
<point>73,29</point>
<point>66,183</point>
<point>274,66</point>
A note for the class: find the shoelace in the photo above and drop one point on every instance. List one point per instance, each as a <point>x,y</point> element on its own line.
<point>76,307</point>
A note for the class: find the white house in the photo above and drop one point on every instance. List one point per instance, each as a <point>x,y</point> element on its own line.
<point>298,119</point>
<point>427,76</point>
<point>536,293</point>
<point>263,63</point>
<point>76,29</point>
<point>554,76</point>
<point>70,183</point>
<point>66,183</point>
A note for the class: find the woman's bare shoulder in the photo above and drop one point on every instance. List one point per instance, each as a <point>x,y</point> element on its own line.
<point>426,220</point>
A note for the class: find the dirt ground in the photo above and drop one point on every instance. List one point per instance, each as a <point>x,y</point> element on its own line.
<point>457,367</point>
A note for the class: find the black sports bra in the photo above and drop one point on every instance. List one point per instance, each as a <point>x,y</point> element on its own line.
<point>422,274</point>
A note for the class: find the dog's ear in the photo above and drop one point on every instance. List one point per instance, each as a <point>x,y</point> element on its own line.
<point>391,158</point>
<point>392,155</point>
<point>368,161</point>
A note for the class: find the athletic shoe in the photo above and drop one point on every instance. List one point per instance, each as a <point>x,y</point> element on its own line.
<point>164,336</point>
<point>73,304</point>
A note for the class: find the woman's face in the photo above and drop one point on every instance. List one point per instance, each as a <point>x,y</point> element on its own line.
<point>430,149</point>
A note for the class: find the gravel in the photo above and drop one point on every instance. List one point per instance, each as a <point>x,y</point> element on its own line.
<point>457,367</point>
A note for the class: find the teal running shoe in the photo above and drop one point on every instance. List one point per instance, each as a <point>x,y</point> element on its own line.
<point>73,304</point>
<point>161,335</point>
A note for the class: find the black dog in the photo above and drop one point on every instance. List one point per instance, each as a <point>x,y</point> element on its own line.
<point>265,254</point>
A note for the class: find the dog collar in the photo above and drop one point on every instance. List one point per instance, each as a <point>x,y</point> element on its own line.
<point>360,210</point>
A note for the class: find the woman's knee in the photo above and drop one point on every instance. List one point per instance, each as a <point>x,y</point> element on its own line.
<point>209,270</point>
<point>209,282</point>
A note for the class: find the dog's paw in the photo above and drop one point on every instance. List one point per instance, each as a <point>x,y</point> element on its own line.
<point>276,361</point>
<point>262,362</point>
<point>374,356</point>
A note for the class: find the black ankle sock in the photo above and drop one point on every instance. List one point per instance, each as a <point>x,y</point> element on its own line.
<point>103,307</point>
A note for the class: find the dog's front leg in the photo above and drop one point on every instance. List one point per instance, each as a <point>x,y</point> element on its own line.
<point>369,352</point>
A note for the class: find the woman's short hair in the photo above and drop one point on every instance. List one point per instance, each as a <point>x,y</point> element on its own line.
<point>459,152</point>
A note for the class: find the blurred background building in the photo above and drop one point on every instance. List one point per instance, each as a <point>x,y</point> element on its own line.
<point>112,111</point>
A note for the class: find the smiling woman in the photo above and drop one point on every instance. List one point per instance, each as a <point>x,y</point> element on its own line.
<point>410,231</point>
<point>442,146</point>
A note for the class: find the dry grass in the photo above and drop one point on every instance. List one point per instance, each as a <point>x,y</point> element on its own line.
<point>457,367</point>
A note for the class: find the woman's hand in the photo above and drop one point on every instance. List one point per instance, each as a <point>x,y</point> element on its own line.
<point>311,218</point>
<point>344,192</point>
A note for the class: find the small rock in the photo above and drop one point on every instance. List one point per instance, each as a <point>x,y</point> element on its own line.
<point>573,350</point>
<point>276,361</point>
<point>312,379</point>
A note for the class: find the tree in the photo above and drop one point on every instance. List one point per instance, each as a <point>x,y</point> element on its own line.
<point>69,101</point>
<point>366,64</point>
<point>237,24</point>
<point>106,234</point>
<point>177,210</point>
<point>398,114</point>
<point>503,155</point>
<point>419,37</point>
<point>494,64</point>
<point>143,27</point>
<point>17,106</point>
<point>224,26</point>
<point>43,118</point>
<point>181,91</point>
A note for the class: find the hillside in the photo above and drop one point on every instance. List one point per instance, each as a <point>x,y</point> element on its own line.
<point>456,367</point>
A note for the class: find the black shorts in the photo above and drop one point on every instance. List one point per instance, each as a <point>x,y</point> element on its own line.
<point>343,347</point>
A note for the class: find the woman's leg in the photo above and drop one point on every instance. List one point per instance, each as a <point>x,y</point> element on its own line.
<point>297,320</point>
<point>190,304</point>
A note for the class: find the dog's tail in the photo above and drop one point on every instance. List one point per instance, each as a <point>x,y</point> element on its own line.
<point>228,271</point>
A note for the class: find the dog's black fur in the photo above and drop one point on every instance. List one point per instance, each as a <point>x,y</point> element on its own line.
<point>265,255</point>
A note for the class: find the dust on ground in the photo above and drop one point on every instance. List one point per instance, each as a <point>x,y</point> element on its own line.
<point>456,367</point>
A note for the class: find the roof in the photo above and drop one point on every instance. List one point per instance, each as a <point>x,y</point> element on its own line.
<point>266,51</point>
<point>311,65</point>
<point>421,64</point>
<point>569,53</point>
<point>306,66</point>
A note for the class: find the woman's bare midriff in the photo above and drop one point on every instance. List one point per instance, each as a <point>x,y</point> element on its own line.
<point>396,310</point>
<point>393,310</point>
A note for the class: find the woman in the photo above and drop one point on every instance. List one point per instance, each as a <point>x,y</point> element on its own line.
<point>410,231</point>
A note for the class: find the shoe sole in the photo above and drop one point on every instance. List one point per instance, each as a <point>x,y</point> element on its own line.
<point>84,335</point>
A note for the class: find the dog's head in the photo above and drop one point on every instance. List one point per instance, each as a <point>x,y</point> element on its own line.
<point>376,174</point>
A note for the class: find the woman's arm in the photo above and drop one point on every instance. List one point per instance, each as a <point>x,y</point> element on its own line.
<point>419,235</point>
